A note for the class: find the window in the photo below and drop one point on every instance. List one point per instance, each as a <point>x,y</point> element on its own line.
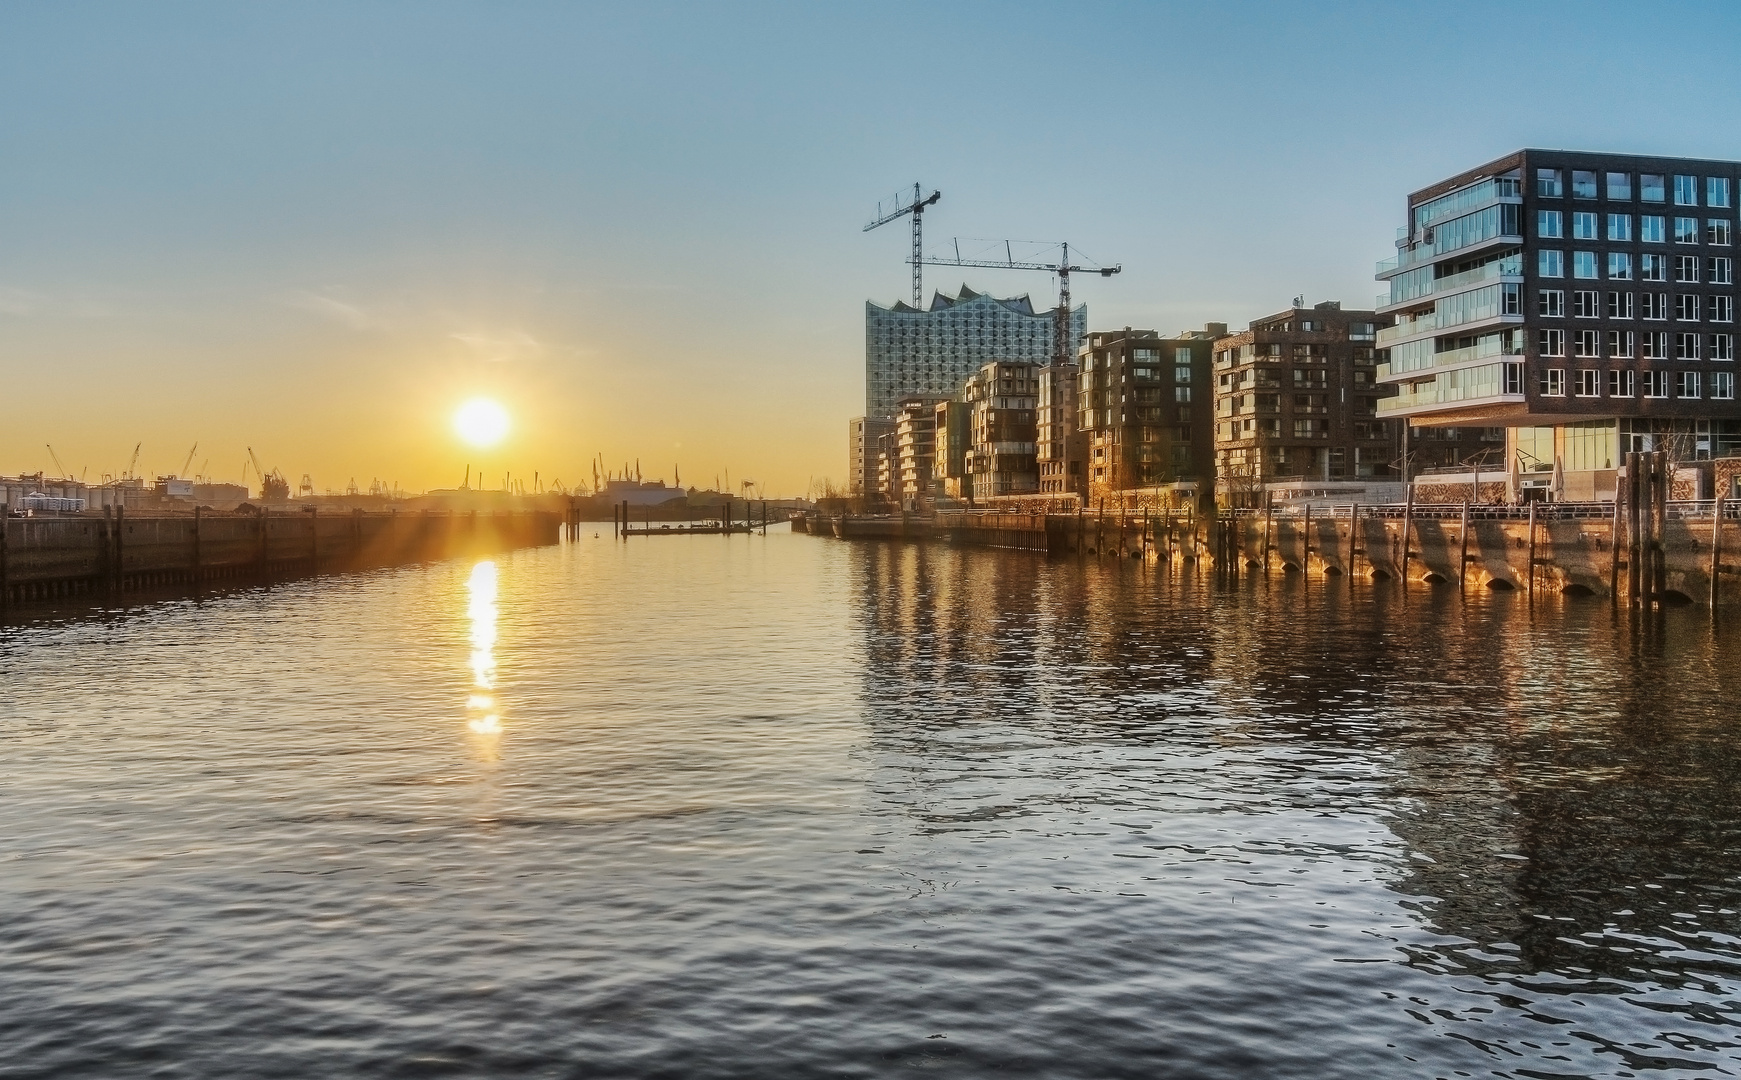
<point>1587,343</point>
<point>1686,190</point>
<point>1511,299</point>
<point>1653,268</point>
<point>1719,271</point>
<point>1687,307</point>
<point>1182,374</point>
<point>1689,385</point>
<point>1583,184</point>
<point>1513,378</point>
<point>1686,346</point>
<point>1553,342</point>
<point>1716,191</point>
<point>1547,224</point>
<point>1650,229</point>
<point>1722,309</point>
<point>1554,382</point>
<point>1620,186</point>
<point>1686,267</point>
<point>1584,226</point>
<point>1722,347</point>
<point>1586,304</point>
<point>1620,265</point>
<point>1620,227</point>
<point>1620,305</point>
<point>1717,231</point>
<point>1620,343</point>
<point>1311,429</point>
<point>1686,230</point>
<point>1583,264</point>
<point>1181,393</point>
<point>1654,306</point>
<point>1550,263</point>
<point>1551,303</point>
<point>1547,183</point>
<point>1656,384</point>
<point>1653,345</point>
<point>1622,383</point>
<point>1589,383</point>
<point>1650,187</point>
<point>1723,384</point>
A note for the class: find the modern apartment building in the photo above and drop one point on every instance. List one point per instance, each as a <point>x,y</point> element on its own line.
<point>1297,398</point>
<point>952,425</point>
<point>1003,427</point>
<point>1144,407</point>
<point>908,351</point>
<point>915,448</point>
<point>862,434</point>
<point>1584,301</point>
<point>1061,451</point>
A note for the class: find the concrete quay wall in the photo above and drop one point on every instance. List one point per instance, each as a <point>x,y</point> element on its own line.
<point>44,557</point>
<point>1571,555</point>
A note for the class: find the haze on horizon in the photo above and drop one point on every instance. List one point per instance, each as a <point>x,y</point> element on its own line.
<point>316,229</point>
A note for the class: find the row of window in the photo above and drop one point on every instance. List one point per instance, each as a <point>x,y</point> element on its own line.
<point>1652,306</point>
<point>1652,187</point>
<point>1649,345</point>
<point>1652,228</point>
<point>1551,263</point>
<point>1624,383</point>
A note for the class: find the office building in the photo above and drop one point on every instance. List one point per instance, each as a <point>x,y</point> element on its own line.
<point>1144,407</point>
<point>1584,301</point>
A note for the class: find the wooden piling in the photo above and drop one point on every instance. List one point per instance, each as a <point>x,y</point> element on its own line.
<point>1530,588</point>
<point>196,542</point>
<point>1353,539</point>
<point>1716,550</point>
<point>1463,547</point>
<point>1614,544</point>
<point>1269,513</point>
<point>1408,513</point>
<point>5,573</point>
<point>1306,542</point>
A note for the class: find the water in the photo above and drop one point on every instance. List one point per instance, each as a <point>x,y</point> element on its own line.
<point>710,807</point>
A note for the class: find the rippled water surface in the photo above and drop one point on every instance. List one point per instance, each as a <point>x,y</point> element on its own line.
<point>790,806</point>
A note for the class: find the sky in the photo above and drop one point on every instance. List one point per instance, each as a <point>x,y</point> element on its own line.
<point>315,229</point>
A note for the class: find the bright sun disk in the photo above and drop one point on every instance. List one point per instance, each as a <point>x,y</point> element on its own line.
<point>481,422</point>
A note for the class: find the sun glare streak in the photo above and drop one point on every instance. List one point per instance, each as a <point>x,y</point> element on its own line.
<point>483,718</point>
<point>481,422</point>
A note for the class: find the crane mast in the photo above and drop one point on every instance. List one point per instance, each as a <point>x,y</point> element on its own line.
<point>901,206</point>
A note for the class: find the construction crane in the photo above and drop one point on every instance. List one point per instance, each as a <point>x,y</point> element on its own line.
<point>61,469</point>
<point>188,464</point>
<point>899,205</point>
<point>131,465</point>
<point>1063,267</point>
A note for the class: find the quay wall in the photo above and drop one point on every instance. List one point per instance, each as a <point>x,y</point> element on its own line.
<point>44,557</point>
<point>1570,554</point>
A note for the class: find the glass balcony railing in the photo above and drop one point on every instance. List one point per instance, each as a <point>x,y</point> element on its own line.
<point>1510,266</point>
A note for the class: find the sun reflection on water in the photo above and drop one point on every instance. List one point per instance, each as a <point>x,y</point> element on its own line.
<point>483,719</point>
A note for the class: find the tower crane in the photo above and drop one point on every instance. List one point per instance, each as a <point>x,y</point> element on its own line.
<point>61,469</point>
<point>899,205</point>
<point>188,464</point>
<point>1063,267</point>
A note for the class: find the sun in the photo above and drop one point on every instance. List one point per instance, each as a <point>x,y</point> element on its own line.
<point>481,422</point>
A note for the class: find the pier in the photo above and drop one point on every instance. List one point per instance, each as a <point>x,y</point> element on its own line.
<point>45,558</point>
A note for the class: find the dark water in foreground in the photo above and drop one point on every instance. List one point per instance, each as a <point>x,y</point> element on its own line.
<point>796,807</point>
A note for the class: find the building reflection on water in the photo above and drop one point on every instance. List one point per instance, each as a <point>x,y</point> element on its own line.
<point>1563,784</point>
<point>483,713</point>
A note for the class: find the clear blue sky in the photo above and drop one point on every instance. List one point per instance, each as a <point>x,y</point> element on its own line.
<point>314,228</point>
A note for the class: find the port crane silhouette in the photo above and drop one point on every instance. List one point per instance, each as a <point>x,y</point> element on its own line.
<point>899,205</point>
<point>1062,266</point>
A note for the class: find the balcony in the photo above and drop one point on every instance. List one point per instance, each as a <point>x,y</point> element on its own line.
<point>1509,268</point>
<point>1422,254</point>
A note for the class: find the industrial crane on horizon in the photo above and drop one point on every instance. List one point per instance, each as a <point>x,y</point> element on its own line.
<point>1061,344</point>
<point>899,206</point>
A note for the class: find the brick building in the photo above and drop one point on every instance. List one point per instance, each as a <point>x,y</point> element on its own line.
<point>1144,408</point>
